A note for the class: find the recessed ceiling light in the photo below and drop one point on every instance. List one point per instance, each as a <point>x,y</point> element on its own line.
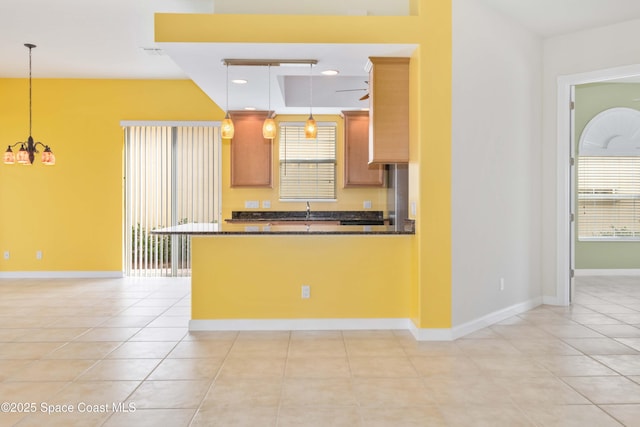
<point>330,72</point>
<point>250,108</point>
<point>239,81</point>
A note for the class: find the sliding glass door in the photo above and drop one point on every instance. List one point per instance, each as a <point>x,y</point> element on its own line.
<point>171,178</point>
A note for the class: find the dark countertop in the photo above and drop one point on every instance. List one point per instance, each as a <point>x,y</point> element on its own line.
<point>209,229</point>
<point>343,217</point>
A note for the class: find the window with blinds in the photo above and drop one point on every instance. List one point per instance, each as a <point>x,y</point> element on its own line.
<point>307,166</point>
<point>608,198</point>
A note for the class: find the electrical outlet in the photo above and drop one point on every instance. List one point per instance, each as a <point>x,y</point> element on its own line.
<point>266,204</point>
<point>6,254</point>
<point>38,254</point>
<point>306,291</point>
<point>502,283</point>
<point>366,204</point>
<point>413,209</point>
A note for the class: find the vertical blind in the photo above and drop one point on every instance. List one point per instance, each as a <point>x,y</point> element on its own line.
<point>170,179</point>
<point>307,166</point>
<point>608,198</point>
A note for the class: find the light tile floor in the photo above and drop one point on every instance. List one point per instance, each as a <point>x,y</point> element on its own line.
<point>87,345</point>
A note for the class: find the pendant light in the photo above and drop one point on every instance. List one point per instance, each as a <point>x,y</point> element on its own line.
<point>310,127</point>
<point>27,151</point>
<point>227,124</point>
<point>269,125</point>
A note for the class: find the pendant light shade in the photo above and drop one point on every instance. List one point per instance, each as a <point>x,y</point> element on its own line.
<point>26,154</point>
<point>23,156</point>
<point>227,127</point>
<point>47,157</point>
<point>9,157</point>
<point>269,129</point>
<point>310,128</point>
<point>227,130</point>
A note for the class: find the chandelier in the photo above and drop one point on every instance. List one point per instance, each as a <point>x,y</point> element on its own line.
<point>28,148</point>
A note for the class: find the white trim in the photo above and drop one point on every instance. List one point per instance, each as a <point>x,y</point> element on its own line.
<point>420,334</point>
<point>295,324</point>
<point>61,274</point>
<point>467,328</point>
<point>563,197</point>
<point>171,123</point>
<point>548,300</point>
<point>435,334</point>
<point>583,272</point>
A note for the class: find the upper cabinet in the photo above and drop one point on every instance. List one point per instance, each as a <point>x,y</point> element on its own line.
<point>251,154</point>
<point>357,171</point>
<point>388,110</point>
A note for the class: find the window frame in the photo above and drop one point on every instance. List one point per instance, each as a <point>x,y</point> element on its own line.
<point>284,162</point>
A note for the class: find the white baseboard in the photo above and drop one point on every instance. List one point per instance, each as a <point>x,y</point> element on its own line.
<point>608,272</point>
<point>420,334</point>
<point>549,300</point>
<point>61,274</point>
<point>423,334</point>
<point>296,324</point>
<point>431,334</point>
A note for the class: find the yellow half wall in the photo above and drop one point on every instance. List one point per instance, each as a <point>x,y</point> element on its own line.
<point>260,277</point>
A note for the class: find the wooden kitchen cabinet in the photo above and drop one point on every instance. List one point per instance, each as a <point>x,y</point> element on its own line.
<point>251,154</point>
<point>357,170</point>
<point>388,110</point>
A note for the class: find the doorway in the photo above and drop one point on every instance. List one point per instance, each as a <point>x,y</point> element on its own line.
<point>172,177</point>
<point>565,212</point>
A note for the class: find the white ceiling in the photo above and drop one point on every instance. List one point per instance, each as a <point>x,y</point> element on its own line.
<point>554,17</point>
<point>106,39</point>
<point>290,86</point>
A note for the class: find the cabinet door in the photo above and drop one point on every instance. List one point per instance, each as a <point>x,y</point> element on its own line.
<point>357,171</point>
<point>388,110</point>
<point>251,154</point>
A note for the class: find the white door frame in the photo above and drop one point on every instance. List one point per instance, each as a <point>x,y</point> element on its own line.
<point>564,150</point>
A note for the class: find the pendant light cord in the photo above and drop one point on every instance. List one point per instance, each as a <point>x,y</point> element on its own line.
<point>310,90</point>
<point>227,88</point>
<point>269,85</point>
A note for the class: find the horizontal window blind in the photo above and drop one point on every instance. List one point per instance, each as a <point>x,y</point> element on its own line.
<point>307,166</point>
<point>608,198</point>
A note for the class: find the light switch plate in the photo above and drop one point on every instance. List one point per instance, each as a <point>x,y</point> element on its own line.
<point>251,204</point>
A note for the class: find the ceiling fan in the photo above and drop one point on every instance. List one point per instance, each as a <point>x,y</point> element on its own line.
<point>362,98</point>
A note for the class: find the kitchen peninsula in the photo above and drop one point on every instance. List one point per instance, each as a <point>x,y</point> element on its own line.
<point>251,276</point>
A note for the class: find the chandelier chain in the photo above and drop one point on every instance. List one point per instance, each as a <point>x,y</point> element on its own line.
<point>30,90</point>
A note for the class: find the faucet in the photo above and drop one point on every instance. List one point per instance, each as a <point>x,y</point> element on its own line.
<point>308,210</point>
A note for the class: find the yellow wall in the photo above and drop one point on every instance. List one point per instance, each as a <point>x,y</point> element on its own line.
<point>260,277</point>
<point>72,211</point>
<point>433,132</point>
<point>347,198</point>
<point>429,27</point>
